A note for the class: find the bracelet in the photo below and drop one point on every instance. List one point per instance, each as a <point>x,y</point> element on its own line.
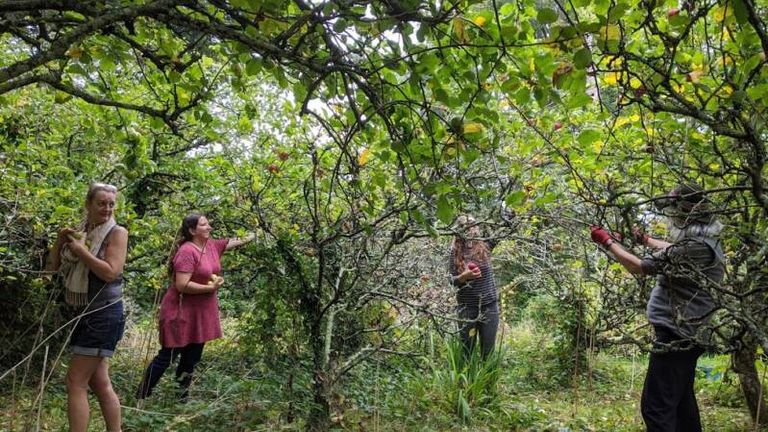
<point>608,243</point>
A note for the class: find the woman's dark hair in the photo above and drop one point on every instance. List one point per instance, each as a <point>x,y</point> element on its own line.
<point>182,236</point>
<point>475,250</point>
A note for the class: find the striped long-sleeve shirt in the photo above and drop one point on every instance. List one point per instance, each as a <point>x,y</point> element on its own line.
<point>481,291</point>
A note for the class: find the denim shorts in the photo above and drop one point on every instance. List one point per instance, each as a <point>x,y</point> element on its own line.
<point>98,332</point>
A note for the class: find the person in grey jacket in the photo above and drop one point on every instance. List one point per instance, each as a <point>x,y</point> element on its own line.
<point>680,304</point>
<point>469,264</point>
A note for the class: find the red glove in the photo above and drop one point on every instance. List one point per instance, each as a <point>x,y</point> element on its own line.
<point>600,236</point>
<point>640,236</point>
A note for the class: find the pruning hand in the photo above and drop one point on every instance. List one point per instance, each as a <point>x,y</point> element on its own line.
<point>600,235</point>
<point>640,236</point>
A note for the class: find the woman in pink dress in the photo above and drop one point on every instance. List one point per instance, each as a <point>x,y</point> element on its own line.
<point>189,312</point>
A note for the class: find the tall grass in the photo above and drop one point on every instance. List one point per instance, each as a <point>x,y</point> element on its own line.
<point>467,381</point>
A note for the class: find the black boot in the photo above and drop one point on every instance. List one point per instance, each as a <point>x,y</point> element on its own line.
<point>184,380</point>
<point>149,381</point>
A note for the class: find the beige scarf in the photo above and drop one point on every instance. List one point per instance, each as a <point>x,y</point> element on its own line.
<point>74,272</point>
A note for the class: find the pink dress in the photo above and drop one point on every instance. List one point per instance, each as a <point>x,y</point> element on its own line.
<point>192,318</point>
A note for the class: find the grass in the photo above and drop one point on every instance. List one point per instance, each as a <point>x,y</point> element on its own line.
<point>512,391</point>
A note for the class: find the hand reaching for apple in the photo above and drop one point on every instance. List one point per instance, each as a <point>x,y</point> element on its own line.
<point>472,272</point>
<point>67,235</point>
<point>75,240</point>
<point>216,281</point>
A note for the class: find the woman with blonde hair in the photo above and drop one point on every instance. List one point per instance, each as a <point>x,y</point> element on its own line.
<point>90,261</point>
<point>477,298</point>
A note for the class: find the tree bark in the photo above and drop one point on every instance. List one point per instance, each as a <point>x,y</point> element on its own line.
<point>319,416</point>
<point>744,365</point>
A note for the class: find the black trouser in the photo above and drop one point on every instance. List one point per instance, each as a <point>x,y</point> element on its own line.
<point>483,325</point>
<point>189,357</point>
<point>668,403</point>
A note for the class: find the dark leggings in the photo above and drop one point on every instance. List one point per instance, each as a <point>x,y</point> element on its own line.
<point>668,403</point>
<point>189,357</point>
<point>484,320</point>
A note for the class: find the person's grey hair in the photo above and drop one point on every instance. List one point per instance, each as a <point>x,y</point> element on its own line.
<point>685,205</point>
<point>465,222</point>
<point>95,188</point>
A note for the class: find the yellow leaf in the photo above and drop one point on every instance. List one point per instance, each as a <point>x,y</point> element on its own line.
<point>479,21</point>
<point>612,61</point>
<point>610,32</point>
<point>721,13</point>
<point>635,83</point>
<point>714,167</point>
<point>597,146</point>
<point>458,29</point>
<point>472,332</point>
<point>472,127</point>
<point>74,53</point>
<point>695,75</point>
<point>621,121</point>
<point>612,78</point>
<point>363,158</point>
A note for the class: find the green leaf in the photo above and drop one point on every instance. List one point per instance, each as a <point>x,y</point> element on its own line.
<point>588,137</point>
<point>515,199</point>
<point>252,67</point>
<point>579,100</point>
<point>441,95</point>
<point>244,125</point>
<point>582,58</point>
<point>758,92</point>
<point>522,96</point>
<point>444,210</point>
<point>546,16</point>
<point>549,197</point>
<point>617,12</point>
<point>740,12</point>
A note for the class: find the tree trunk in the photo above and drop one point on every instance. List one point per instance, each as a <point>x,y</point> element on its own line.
<point>744,364</point>
<point>320,413</point>
<point>319,416</point>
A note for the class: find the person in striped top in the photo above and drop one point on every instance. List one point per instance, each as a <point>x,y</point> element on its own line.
<point>471,273</point>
